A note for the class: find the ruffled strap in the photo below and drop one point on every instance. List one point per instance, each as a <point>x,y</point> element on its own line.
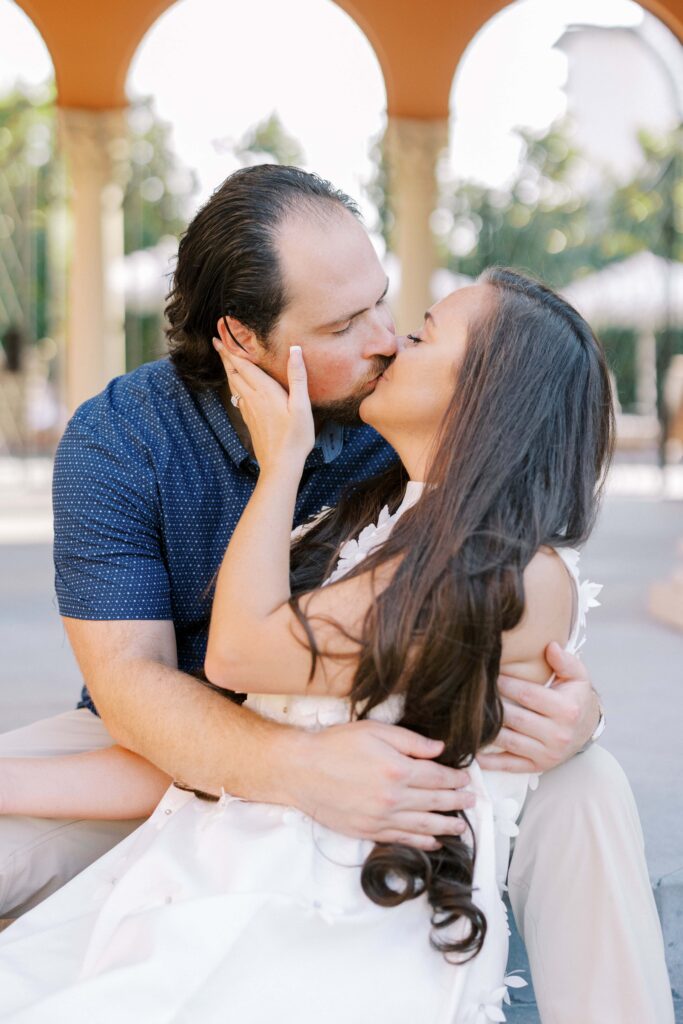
<point>585,592</point>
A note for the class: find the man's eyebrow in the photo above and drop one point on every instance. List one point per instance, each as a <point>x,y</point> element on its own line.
<point>352,316</point>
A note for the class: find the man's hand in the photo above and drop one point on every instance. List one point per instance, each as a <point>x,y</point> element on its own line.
<point>544,726</point>
<point>378,782</point>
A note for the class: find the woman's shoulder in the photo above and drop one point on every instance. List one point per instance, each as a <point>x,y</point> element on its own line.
<point>549,602</point>
<point>547,575</point>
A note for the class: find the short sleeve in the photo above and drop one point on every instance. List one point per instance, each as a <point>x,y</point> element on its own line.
<point>108,551</point>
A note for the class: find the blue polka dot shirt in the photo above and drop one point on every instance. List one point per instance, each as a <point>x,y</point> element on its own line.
<point>150,481</point>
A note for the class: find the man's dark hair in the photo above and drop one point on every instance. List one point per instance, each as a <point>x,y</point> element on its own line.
<point>228,263</point>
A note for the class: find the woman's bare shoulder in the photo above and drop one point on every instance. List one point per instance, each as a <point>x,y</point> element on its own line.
<point>548,611</point>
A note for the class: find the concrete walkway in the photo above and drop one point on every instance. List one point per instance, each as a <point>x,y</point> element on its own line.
<point>636,663</point>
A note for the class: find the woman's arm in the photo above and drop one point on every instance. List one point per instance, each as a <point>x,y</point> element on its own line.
<point>256,644</point>
<point>548,608</point>
<point>538,724</point>
<point>108,784</point>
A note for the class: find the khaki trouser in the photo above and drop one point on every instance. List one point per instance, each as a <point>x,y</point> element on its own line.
<point>578,880</point>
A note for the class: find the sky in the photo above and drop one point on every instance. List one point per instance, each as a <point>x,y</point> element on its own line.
<point>231,70</point>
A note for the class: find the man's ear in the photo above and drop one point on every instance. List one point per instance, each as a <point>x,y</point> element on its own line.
<point>238,338</point>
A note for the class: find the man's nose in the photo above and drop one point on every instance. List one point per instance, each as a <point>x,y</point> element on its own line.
<point>381,339</point>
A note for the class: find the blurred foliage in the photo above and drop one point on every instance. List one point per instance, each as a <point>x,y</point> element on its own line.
<point>620,349</point>
<point>33,186</point>
<point>540,224</point>
<point>269,139</point>
<point>158,190</point>
<point>545,224</point>
<point>156,204</point>
<point>377,190</point>
<point>30,183</point>
<point>647,213</point>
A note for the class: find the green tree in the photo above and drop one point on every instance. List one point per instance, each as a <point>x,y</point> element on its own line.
<point>156,204</point>
<point>378,190</point>
<point>30,180</point>
<point>540,223</point>
<point>269,138</point>
<point>158,188</point>
<point>647,212</point>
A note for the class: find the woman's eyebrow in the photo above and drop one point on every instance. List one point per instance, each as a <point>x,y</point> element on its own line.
<point>352,316</point>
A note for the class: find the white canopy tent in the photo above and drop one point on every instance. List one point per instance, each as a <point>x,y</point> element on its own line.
<point>643,292</point>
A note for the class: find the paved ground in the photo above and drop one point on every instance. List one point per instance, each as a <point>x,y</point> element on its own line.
<point>636,663</point>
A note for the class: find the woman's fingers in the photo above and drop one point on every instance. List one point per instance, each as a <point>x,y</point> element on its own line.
<point>236,367</point>
<point>297,379</point>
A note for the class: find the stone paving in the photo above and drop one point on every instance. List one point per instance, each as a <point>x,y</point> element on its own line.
<point>636,663</point>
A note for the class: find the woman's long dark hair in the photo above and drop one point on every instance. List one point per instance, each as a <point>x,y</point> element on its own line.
<point>519,463</point>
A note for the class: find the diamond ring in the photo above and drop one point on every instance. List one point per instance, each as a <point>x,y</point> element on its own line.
<point>235,399</point>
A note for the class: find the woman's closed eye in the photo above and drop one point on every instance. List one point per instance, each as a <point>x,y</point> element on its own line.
<point>415,338</point>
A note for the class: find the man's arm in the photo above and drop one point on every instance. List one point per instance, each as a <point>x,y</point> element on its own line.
<point>366,779</point>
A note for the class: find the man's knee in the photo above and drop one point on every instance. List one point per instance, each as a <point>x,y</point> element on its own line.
<point>592,783</point>
<point>581,817</point>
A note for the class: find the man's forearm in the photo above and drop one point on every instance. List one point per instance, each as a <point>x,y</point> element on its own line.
<point>197,736</point>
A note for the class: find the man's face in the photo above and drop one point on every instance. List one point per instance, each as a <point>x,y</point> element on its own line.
<point>336,311</point>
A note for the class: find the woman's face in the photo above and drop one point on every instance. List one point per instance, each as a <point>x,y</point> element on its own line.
<point>414,393</point>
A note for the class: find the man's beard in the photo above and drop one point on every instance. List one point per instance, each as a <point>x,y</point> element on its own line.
<point>346,410</point>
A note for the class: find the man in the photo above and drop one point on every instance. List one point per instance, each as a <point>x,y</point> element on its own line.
<point>150,480</point>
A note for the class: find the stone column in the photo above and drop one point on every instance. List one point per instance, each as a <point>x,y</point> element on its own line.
<point>96,149</point>
<point>413,148</point>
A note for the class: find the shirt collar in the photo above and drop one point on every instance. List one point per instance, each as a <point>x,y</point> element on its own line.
<point>328,443</point>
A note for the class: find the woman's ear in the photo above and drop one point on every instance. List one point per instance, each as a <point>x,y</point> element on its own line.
<point>238,339</point>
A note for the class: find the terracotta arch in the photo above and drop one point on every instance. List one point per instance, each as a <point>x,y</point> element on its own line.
<point>92,52</point>
<point>418,46</point>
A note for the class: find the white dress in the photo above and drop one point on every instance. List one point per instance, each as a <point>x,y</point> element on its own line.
<point>254,914</point>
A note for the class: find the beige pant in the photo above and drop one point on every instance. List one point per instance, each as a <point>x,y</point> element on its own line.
<point>578,880</point>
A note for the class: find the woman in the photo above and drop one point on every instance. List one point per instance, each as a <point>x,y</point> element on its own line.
<point>460,561</point>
